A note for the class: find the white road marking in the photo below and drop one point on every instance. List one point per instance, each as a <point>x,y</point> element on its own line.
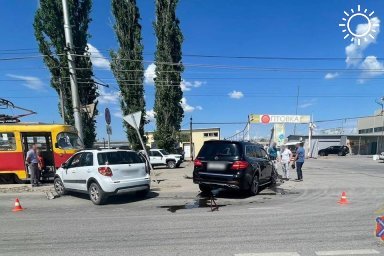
<point>347,252</point>
<point>270,254</point>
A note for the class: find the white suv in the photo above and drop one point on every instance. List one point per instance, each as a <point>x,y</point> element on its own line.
<point>102,173</point>
<point>162,157</point>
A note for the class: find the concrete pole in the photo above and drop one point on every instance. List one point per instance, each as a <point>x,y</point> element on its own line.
<point>191,140</point>
<point>309,139</point>
<point>72,71</point>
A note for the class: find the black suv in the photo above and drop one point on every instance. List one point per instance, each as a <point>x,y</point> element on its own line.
<point>334,150</point>
<point>237,165</point>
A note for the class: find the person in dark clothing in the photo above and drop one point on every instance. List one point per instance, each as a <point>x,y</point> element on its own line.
<point>299,159</point>
<point>272,151</point>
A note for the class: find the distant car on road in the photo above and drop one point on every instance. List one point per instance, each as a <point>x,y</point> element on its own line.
<point>159,157</point>
<point>334,150</point>
<point>236,165</point>
<point>102,173</point>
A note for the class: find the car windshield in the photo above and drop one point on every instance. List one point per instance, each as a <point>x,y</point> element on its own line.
<point>67,140</point>
<point>210,151</point>
<point>118,157</point>
<point>164,152</point>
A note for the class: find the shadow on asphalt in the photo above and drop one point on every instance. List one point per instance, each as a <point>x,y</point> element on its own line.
<point>119,199</point>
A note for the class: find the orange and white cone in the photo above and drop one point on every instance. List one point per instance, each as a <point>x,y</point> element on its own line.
<point>343,199</point>
<point>17,207</point>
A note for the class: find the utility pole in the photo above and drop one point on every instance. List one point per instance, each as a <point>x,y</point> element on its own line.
<point>297,106</point>
<point>61,100</point>
<point>191,141</point>
<point>381,103</point>
<point>72,71</point>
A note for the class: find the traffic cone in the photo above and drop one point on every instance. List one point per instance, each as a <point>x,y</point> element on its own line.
<point>343,199</point>
<point>17,207</point>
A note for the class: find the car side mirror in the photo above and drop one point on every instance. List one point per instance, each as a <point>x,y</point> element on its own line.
<point>64,166</point>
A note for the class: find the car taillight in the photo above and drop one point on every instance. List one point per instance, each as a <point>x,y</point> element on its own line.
<point>239,165</point>
<point>198,163</point>
<point>105,171</point>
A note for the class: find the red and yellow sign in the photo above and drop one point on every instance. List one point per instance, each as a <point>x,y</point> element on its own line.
<point>271,119</point>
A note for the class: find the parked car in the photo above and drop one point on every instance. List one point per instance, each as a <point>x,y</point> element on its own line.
<point>159,157</point>
<point>236,165</point>
<point>102,173</point>
<point>381,156</point>
<point>334,150</point>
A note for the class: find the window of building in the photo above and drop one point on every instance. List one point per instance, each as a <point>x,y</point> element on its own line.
<point>7,141</point>
<point>211,134</point>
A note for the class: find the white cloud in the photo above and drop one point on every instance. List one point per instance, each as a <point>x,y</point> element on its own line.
<point>330,76</point>
<point>118,114</point>
<point>31,82</point>
<point>108,97</point>
<point>355,52</point>
<point>150,74</point>
<point>236,95</point>
<point>97,59</point>
<point>187,85</point>
<point>308,103</point>
<point>150,115</point>
<point>371,67</point>
<point>189,108</point>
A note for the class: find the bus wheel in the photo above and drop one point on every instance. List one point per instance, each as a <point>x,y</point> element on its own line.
<point>59,187</point>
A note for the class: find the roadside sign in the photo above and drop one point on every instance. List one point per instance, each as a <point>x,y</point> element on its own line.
<point>109,129</point>
<point>380,227</point>
<point>107,116</point>
<point>269,119</point>
<point>133,119</point>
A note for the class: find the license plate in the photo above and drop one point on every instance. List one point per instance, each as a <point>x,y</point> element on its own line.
<point>216,166</point>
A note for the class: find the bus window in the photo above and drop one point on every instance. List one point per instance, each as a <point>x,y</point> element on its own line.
<point>7,142</point>
<point>66,140</point>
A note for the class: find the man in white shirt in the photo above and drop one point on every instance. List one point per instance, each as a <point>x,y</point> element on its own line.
<point>285,158</point>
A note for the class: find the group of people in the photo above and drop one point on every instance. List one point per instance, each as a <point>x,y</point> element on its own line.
<point>288,160</point>
<point>36,164</point>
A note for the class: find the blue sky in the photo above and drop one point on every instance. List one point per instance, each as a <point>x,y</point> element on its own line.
<point>225,89</point>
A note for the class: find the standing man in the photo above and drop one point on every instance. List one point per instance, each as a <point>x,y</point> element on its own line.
<point>299,159</point>
<point>285,158</point>
<point>32,162</point>
<point>272,151</point>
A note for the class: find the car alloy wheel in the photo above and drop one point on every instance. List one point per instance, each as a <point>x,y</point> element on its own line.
<point>254,190</point>
<point>94,192</point>
<point>171,164</point>
<point>59,187</point>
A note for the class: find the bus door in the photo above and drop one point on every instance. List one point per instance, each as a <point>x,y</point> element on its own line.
<point>43,140</point>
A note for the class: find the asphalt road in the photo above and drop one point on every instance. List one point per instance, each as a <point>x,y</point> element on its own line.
<point>297,218</point>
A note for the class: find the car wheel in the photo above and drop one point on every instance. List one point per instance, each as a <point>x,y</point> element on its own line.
<point>205,188</point>
<point>322,154</point>
<point>59,187</point>
<point>171,164</point>
<point>254,188</point>
<point>96,194</point>
<point>143,193</point>
<point>274,177</point>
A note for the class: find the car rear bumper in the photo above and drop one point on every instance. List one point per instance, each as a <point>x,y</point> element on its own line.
<point>126,186</point>
<point>235,181</point>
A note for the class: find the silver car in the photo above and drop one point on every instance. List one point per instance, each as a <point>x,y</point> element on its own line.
<point>102,173</point>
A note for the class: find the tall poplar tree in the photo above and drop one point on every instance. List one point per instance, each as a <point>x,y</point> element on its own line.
<point>168,109</point>
<point>127,63</point>
<point>49,32</point>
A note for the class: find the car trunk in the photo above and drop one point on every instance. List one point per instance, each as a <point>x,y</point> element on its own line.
<point>124,164</point>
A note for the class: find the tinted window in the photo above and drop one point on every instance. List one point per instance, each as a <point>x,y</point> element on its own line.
<point>87,159</point>
<point>210,151</point>
<point>155,153</point>
<point>118,157</point>
<point>250,151</point>
<point>164,152</point>
<point>74,161</point>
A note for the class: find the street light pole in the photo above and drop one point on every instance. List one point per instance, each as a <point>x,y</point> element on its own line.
<point>72,71</point>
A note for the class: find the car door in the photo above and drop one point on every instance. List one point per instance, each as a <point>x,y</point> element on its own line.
<point>265,165</point>
<point>156,157</point>
<point>70,170</point>
<point>83,171</point>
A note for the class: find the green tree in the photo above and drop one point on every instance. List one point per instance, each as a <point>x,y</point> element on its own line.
<point>129,57</point>
<point>49,32</point>
<point>169,112</point>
